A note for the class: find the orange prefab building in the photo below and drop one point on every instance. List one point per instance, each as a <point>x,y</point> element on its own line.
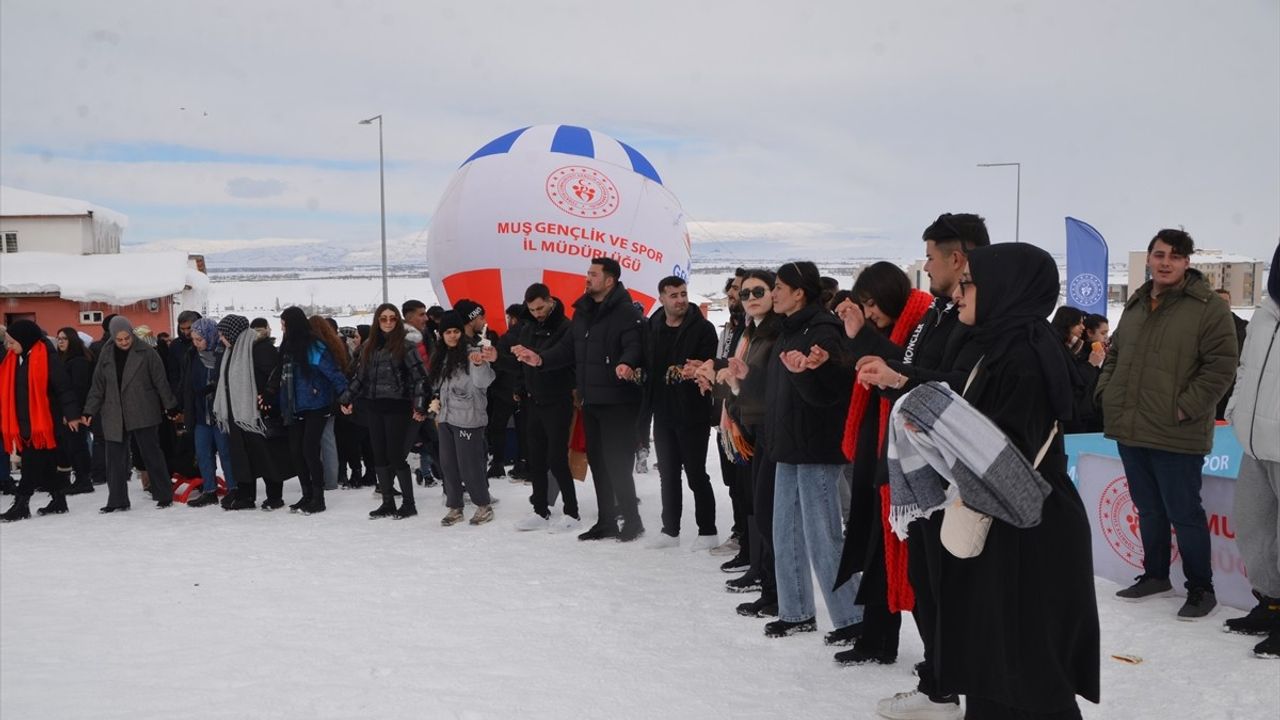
<point>61,266</point>
<point>57,290</point>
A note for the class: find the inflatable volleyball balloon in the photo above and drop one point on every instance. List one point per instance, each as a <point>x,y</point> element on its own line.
<point>536,204</point>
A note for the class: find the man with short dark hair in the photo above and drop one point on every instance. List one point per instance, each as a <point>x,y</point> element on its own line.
<point>605,349</point>
<point>681,414</point>
<point>548,410</point>
<point>1172,357</point>
<point>935,352</point>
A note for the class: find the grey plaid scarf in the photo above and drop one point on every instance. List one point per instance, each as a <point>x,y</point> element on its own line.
<point>951,442</point>
<point>237,394</point>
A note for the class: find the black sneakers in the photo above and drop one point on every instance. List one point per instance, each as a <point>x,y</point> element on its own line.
<point>1200,602</point>
<point>739,563</point>
<point>386,509</point>
<point>860,656</point>
<point>204,500</point>
<point>1146,588</point>
<point>1264,618</point>
<point>599,531</point>
<point>630,530</point>
<point>764,607</point>
<point>1268,649</point>
<point>844,636</point>
<point>406,510</point>
<point>782,628</point>
<point>745,584</point>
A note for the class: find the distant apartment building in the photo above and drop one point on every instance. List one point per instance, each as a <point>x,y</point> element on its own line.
<point>1242,276</point>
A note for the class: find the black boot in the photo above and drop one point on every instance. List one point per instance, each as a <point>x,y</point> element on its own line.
<point>405,476</point>
<point>315,501</point>
<point>80,487</point>
<point>57,505</point>
<point>57,494</point>
<point>388,506</point>
<point>18,511</point>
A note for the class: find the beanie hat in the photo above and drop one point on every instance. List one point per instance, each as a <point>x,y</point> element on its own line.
<point>451,320</point>
<point>468,309</point>
<point>119,324</point>
<point>232,326</point>
<point>106,321</point>
<point>26,333</point>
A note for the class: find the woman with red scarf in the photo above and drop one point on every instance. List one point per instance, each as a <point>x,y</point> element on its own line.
<point>879,324</point>
<point>35,395</point>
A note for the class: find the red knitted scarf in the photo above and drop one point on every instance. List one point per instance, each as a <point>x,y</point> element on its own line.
<point>42,436</point>
<point>895,551</point>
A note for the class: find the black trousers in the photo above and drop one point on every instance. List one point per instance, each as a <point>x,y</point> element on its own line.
<point>39,472</point>
<point>684,448</point>
<point>305,434</point>
<point>760,522</point>
<point>924,570</point>
<point>250,460</point>
<point>611,454</point>
<point>388,432</point>
<point>75,444</point>
<point>347,433</point>
<point>98,453</point>
<point>118,466</point>
<point>738,480</point>
<point>500,413</point>
<point>547,446</point>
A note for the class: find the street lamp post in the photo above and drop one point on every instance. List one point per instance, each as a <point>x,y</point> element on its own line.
<point>1017,216</point>
<point>382,202</point>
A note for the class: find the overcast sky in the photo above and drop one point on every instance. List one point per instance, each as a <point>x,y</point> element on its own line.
<point>237,120</point>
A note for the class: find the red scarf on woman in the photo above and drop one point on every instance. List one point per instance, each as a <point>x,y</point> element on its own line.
<point>42,437</point>
<point>895,551</point>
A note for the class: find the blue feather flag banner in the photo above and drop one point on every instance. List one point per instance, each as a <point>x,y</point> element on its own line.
<point>1086,267</point>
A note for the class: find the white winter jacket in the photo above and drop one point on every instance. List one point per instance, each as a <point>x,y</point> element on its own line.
<point>1254,408</point>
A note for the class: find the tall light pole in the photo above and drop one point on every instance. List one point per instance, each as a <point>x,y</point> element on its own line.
<point>1017,217</point>
<point>382,202</point>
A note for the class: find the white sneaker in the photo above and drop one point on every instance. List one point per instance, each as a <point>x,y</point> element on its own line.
<point>703,542</point>
<point>662,541</point>
<point>728,547</point>
<point>533,521</point>
<point>915,705</point>
<point>564,524</point>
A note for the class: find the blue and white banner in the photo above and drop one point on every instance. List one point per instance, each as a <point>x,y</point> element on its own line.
<point>1086,267</point>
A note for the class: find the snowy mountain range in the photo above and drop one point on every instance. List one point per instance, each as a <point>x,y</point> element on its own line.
<point>714,243</point>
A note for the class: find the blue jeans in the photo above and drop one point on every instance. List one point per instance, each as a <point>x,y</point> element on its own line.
<point>210,440</point>
<point>1165,487</point>
<point>807,529</point>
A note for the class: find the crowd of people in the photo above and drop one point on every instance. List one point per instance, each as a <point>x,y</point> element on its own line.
<point>904,449</point>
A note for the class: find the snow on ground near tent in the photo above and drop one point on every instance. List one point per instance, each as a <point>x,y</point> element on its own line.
<point>207,614</point>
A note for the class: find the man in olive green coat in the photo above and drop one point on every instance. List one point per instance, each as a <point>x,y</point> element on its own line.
<point>1173,355</point>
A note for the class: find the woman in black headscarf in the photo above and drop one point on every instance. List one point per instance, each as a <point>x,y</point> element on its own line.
<point>78,362</point>
<point>1019,622</point>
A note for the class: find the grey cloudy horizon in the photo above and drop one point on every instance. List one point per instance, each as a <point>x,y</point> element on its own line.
<point>237,121</point>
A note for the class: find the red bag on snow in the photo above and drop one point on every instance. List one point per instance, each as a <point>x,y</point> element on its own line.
<point>188,488</point>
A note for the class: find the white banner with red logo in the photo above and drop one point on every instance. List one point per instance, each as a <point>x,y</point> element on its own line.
<point>1117,545</point>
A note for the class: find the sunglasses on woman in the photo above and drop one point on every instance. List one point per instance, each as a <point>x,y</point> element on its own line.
<point>756,292</point>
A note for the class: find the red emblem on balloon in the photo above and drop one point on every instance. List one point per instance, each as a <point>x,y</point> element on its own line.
<point>582,191</point>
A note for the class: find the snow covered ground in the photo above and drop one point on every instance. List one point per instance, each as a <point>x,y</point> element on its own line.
<point>200,613</point>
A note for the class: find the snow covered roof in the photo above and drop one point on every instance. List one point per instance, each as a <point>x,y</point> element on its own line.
<point>16,202</point>
<point>1218,256</point>
<point>113,279</point>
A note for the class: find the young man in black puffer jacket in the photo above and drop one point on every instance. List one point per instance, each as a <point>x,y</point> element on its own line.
<point>604,346</point>
<point>548,407</point>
